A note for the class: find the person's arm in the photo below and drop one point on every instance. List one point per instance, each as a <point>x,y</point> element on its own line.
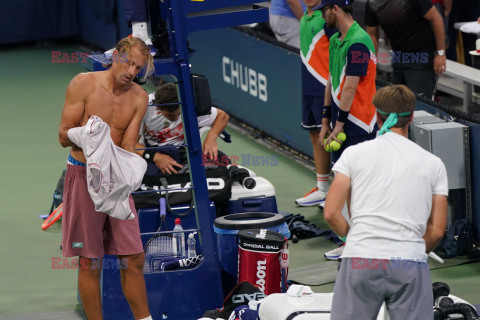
<point>327,109</point>
<point>164,162</point>
<point>296,8</point>
<point>327,100</point>
<point>130,136</point>
<point>436,21</point>
<point>437,222</point>
<point>336,197</point>
<point>374,33</point>
<point>348,94</point>
<point>73,108</point>
<point>448,7</point>
<point>210,146</point>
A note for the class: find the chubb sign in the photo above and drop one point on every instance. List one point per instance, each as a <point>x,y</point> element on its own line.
<point>245,78</point>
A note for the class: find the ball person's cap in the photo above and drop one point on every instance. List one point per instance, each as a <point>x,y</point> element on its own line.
<point>325,3</point>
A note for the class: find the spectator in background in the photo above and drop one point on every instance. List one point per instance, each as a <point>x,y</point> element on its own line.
<point>416,32</point>
<point>314,42</point>
<point>351,83</point>
<point>284,17</point>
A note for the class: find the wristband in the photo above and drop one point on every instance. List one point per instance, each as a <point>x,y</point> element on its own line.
<point>327,112</point>
<point>148,155</point>
<point>342,115</point>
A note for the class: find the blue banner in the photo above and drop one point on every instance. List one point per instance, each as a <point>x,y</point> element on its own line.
<point>254,81</point>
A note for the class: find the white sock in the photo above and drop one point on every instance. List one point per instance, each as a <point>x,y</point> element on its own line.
<point>323,182</point>
<point>140,30</point>
<point>147,318</point>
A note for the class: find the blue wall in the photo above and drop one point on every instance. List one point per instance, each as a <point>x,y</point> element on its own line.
<point>270,94</point>
<point>99,22</point>
<point>280,113</point>
<point>29,20</point>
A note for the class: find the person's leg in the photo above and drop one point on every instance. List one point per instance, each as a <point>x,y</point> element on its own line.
<point>133,284</point>
<point>136,17</point>
<point>82,235</point>
<point>421,80</point>
<point>411,295</point>
<point>123,240</point>
<point>89,288</point>
<point>135,10</point>
<point>358,291</point>
<point>312,109</point>
<point>285,29</point>
<point>398,76</point>
<point>321,159</point>
<point>320,156</point>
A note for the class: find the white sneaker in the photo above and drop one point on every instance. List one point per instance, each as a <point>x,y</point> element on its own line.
<point>335,253</point>
<point>312,198</point>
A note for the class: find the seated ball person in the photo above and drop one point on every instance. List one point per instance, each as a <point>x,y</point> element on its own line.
<point>162,126</point>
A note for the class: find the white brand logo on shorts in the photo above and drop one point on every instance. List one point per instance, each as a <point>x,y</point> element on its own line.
<point>245,78</point>
<point>77,245</point>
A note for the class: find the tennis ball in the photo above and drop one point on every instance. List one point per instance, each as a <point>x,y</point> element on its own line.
<point>342,136</point>
<point>327,147</point>
<point>334,145</point>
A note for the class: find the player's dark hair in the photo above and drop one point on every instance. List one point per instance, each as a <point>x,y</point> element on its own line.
<point>167,93</point>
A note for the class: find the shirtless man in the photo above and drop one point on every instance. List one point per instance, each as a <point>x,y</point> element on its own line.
<point>117,100</point>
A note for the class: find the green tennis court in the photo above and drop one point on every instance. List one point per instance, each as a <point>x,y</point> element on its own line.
<point>32,93</point>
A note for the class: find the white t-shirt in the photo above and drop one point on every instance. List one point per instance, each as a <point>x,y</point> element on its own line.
<point>156,130</point>
<point>392,181</point>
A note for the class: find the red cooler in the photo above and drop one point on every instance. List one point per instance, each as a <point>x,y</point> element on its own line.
<point>259,258</point>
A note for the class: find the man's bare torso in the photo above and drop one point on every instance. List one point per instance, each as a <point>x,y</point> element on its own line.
<point>114,108</point>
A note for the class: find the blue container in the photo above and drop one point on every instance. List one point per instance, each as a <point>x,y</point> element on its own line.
<point>227,228</point>
<point>267,204</point>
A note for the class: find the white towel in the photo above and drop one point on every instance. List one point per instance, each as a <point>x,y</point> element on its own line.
<point>470,27</point>
<point>112,172</point>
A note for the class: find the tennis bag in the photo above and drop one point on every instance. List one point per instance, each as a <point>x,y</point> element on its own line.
<point>218,182</point>
<point>458,238</point>
<point>239,296</point>
<point>58,193</point>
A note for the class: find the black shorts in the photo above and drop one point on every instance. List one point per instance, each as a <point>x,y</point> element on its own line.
<point>312,112</point>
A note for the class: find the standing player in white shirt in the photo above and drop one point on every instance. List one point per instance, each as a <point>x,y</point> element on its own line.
<point>397,197</point>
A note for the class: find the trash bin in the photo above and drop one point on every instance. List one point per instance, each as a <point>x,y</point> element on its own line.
<point>227,228</point>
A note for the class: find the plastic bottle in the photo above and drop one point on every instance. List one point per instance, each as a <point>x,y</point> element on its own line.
<point>178,239</point>
<point>191,252</point>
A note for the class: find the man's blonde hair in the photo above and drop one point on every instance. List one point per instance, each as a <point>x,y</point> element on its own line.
<point>126,44</point>
<point>395,98</point>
